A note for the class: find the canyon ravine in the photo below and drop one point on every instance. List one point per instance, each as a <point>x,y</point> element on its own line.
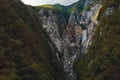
<point>74,36</point>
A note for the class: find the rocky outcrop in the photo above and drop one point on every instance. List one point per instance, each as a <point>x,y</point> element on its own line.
<point>49,22</point>
<point>90,21</point>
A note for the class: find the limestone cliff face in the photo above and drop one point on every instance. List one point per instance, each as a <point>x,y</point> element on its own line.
<point>73,36</point>
<point>51,25</point>
<point>89,20</point>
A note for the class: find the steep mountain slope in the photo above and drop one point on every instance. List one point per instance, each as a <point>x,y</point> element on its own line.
<point>25,48</point>
<point>78,6</point>
<point>102,61</point>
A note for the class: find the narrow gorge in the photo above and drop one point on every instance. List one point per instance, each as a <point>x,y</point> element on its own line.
<point>71,36</point>
<point>80,41</point>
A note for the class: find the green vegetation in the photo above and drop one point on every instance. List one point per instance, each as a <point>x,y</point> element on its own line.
<point>52,7</point>
<point>25,51</point>
<point>56,8</point>
<point>102,61</point>
<point>78,6</point>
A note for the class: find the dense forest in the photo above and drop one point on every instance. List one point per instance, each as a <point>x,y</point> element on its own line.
<point>102,61</point>
<point>25,52</point>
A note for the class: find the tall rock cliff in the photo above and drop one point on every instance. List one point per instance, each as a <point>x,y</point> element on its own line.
<point>72,35</point>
